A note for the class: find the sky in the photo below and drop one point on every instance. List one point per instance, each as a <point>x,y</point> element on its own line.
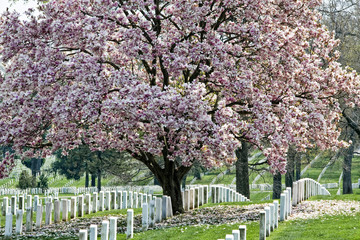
<point>20,6</point>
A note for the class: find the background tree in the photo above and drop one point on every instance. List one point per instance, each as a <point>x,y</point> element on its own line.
<point>43,182</point>
<point>342,17</point>
<point>82,160</point>
<point>26,180</point>
<point>34,164</point>
<point>173,80</point>
<point>277,185</point>
<point>242,169</point>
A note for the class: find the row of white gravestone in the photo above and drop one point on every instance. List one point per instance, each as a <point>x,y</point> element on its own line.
<point>155,211</point>
<point>19,221</point>
<point>237,234</point>
<point>93,202</point>
<point>14,191</point>
<point>195,197</point>
<point>76,206</point>
<point>269,218</point>
<point>108,229</point>
<point>224,194</point>
<point>18,202</point>
<point>76,190</point>
<point>52,211</point>
<point>302,190</point>
<point>305,188</point>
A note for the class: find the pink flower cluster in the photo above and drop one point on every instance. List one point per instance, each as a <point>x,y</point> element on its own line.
<point>177,78</point>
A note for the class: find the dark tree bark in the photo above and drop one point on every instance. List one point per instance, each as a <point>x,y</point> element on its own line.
<point>289,176</point>
<point>242,170</point>
<point>298,166</point>
<point>197,173</point>
<point>183,181</point>
<point>86,177</point>
<point>156,182</point>
<point>171,185</point>
<point>276,185</point>
<point>99,171</point>
<point>99,180</point>
<point>349,154</point>
<point>35,166</point>
<point>169,176</point>
<point>93,180</point>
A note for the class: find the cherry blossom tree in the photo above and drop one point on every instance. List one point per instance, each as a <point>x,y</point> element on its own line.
<point>171,81</point>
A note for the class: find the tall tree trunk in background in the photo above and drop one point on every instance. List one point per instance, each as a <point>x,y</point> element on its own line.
<point>100,162</point>
<point>298,166</point>
<point>289,176</point>
<point>197,170</point>
<point>35,166</point>
<point>93,180</point>
<point>86,177</point>
<point>99,180</point>
<point>242,170</point>
<point>349,153</point>
<point>276,185</point>
<point>183,181</point>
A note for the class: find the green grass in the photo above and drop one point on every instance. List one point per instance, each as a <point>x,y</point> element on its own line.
<point>314,172</point>
<point>225,179</point>
<point>355,196</point>
<point>328,227</point>
<point>204,232</point>
<point>59,183</point>
<point>259,195</point>
<point>6,180</point>
<point>206,179</point>
<point>333,173</point>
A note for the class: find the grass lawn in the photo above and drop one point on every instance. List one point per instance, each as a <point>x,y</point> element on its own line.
<point>327,227</point>
<point>204,232</point>
<point>355,196</point>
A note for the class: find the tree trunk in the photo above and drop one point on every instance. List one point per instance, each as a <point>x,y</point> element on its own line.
<point>172,187</point>
<point>35,166</point>
<point>349,153</point>
<point>276,185</point>
<point>183,181</point>
<point>86,177</point>
<point>99,179</point>
<point>169,176</point>
<point>298,166</point>
<point>197,173</point>
<point>242,170</point>
<point>289,176</point>
<point>93,180</point>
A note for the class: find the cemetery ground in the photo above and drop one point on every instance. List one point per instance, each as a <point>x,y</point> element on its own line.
<point>214,221</point>
<point>321,217</point>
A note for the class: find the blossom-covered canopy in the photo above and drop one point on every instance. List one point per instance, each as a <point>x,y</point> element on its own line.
<point>184,79</point>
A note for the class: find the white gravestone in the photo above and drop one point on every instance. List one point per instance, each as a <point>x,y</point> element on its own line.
<point>130,224</point>
<point>145,217</point>
<point>19,221</point>
<point>113,228</point>
<point>93,232</point>
<point>105,230</point>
